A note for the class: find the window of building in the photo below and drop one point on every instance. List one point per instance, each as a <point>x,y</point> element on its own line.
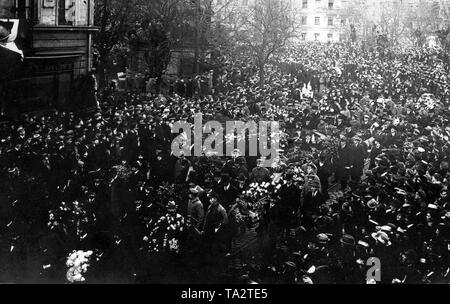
<point>330,4</point>
<point>305,4</point>
<point>245,2</point>
<point>317,2</point>
<point>19,9</point>
<point>316,36</point>
<point>303,36</point>
<point>66,12</point>
<point>330,36</point>
<point>304,20</point>
<point>330,21</point>
<point>5,9</point>
<point>317,21</point>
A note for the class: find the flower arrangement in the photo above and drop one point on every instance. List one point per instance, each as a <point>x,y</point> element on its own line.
<point>257,191</point>
<point>165,233</point>
<point>124,172</point>
<point>78,263</point>
<point>71,218</point>
<point>166,192</point>
<point>258,195</point>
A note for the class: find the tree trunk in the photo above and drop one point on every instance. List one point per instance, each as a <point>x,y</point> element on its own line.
<point>102,72</point>
<point>262,76</point>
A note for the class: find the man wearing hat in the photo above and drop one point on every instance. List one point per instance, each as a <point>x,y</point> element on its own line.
<point>260,174</point>
<point>312,199</point>
<point>216,220</point>
<point>346,260</point>
<point>344,163</point>
<point>181,169</point>
<point>324,171</point>
<point>311,178</point>
<point>226,191</point>
<point>289,203</point>
<point>195,211</point>
<point>359,158</point>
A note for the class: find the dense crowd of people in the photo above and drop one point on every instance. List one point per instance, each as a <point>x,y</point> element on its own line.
<point>363,172</point>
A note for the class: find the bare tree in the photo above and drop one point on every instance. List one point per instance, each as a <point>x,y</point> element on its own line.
<point>421,21</point>
<point>210,31</point>
<point>112,18</point>
<point>185,24</point>
<point>222,23</point>
<point>355,14</point>
<point>269,26</point>
<point>392,21</point>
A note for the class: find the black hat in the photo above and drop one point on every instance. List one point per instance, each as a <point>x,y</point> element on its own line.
<point>322,238</point>
<point>4,34</point>
<point>348,240</point>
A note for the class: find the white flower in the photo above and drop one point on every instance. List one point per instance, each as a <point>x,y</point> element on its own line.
<point>73,256</point>
<point>173,245</point>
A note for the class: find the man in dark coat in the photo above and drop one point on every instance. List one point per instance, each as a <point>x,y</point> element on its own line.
<point>324,171</point>
<point>359,158</point>
<point>130,145</point>
<point>260,174</point>
<point>226,191</point>
<point>392,138</point>
<point>216,219</point>
<point>344,163</point>
<point>312,200</point>
<point>289,204</point>
<point>374,152</point>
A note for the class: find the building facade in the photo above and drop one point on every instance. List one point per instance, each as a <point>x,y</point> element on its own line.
<point>320,20</point>
<point>55,38</point>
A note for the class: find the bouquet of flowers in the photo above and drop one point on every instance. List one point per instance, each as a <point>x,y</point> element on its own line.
<point>71,218</point>
<point>123,172</point>
<point>166,192</point>
<point>257,191</point>
<point>259,195</point>
<point>78,263</point>
<point>299,175</point>
<point>165,234</point>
